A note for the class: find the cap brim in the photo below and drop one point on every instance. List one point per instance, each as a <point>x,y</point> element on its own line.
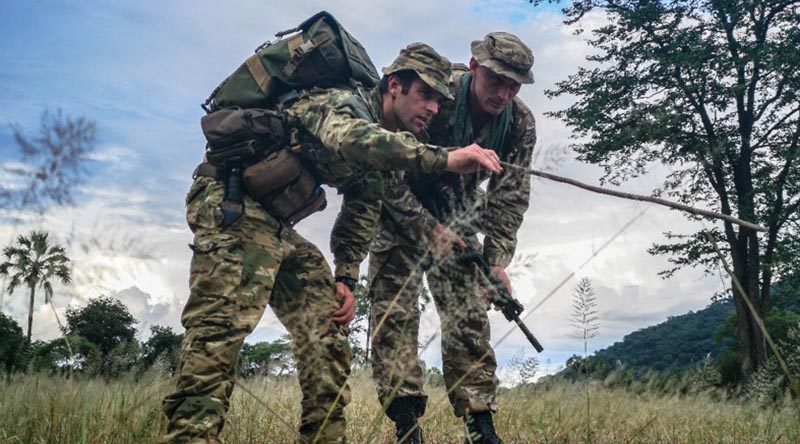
<point>505,71</point>
<point>437,86</point>
<point>429,80</point>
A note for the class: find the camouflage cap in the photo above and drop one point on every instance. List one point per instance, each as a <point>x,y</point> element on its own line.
<point>504,54</point>
<point>430,66</point>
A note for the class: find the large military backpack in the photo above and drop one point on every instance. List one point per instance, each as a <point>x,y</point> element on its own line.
<point>320,53</point>
<point>247,141</point>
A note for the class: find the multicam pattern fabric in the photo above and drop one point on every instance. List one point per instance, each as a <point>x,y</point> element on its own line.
<point>338,119</point>
<point>234,275</point>
<point>258,261</point>
<point>398,249</point>
<point>467,357</point>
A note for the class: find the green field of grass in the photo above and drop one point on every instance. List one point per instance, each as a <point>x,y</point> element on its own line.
<point>45,409</point>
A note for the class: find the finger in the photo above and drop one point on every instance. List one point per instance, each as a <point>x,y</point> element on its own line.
<point>347,312</point>
<point>460,242</point>
<point>343,315</point>
<point>495,159</point>
<point>347,304</point>
<point>340,315</point>
<point>489,163</point>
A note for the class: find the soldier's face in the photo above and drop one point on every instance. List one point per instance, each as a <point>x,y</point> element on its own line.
<point>414,110</point>
<point>492,92</point>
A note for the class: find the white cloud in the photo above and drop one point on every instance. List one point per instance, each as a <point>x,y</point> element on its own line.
<point>121,157</point>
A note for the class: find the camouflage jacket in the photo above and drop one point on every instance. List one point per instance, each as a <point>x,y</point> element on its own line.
<point>354,154</point>
<point>500,211</point>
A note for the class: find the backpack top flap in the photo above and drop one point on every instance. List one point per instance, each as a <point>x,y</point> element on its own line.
<point>322,54</point>
<point>360,66</point>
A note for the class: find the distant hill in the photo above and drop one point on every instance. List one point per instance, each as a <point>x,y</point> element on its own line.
<point>682,341</point>
<point>673,345</point>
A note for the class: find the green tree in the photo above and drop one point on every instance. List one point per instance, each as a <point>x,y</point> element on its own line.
<point>57,356</point>
<point>709,89</point>
<point>163,346</point>
<point>11,344</point>
<point>36,263</point>
<point>106,323</point>
<point>266,358</point>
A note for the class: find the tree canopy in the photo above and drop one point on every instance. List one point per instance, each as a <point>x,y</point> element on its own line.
<point>104,321</point>
<point>35,262</point>
<point>707,88</point>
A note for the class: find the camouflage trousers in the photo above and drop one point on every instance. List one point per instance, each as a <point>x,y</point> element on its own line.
<point>468,359</point>
<point>235,273</point>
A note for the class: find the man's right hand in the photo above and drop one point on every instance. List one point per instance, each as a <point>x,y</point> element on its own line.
<point>442,241</point>
<point>472,159</point>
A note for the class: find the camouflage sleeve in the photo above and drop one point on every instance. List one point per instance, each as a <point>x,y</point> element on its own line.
<point>508,194</point>
<point>327,116</point>
<point>356,223</point>
<point>407,215</point>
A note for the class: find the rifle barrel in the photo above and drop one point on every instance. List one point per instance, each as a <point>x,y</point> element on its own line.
<point>532,339</point>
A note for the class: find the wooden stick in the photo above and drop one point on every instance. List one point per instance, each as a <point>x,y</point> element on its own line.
<point>639,197</point>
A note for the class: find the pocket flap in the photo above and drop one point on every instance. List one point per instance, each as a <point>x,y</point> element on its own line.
<point>207,244</point>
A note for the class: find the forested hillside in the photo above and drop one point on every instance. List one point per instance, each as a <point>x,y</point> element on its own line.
<point>681,342</point>
<point>673,345</point>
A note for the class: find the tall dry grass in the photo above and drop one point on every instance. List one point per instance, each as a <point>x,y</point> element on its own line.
<point>44,409</point>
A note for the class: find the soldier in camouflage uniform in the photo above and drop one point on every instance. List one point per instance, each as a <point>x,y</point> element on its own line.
<point>260,260</point>
<point>485,111</point>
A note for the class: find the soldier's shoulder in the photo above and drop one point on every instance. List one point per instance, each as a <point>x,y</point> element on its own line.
<point>332,95</point>
<point>459,70</point>
<point>335,98</point>
<point>521,113</point>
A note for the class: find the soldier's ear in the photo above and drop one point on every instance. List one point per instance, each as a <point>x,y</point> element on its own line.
<point>473,66</point>
<point>394,86</point>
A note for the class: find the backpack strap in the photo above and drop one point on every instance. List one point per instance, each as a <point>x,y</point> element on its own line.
<point>298,49</point>
<point>206,169</point>
<point>258,72</point>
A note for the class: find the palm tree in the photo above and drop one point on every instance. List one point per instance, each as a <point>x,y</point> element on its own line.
<point>35,262</point>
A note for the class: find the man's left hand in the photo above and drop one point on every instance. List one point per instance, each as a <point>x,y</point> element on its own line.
<point>344,314</point>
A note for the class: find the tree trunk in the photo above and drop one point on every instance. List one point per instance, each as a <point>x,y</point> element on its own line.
<point>30,314</point>
<point>751,343</point>
<point>754,291</point>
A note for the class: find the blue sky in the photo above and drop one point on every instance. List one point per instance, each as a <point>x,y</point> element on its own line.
<point>140,69</point>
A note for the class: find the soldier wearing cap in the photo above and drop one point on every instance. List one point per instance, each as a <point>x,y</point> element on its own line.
<point>485,110</point>
<point>259,260</point>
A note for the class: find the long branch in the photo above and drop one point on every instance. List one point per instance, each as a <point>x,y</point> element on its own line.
<point>638,197</point>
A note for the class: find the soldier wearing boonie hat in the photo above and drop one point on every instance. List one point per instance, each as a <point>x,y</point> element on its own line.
<point>412,87</point>
<point>431,67</point>
<point>486,111</point>
<point>504,54</point>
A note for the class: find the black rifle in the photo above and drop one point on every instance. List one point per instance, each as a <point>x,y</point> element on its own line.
<point>499,295</point>
<point>443,196</point>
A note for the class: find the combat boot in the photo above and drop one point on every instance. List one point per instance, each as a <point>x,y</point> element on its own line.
<point>480,429</point>
<point>404,411</point>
